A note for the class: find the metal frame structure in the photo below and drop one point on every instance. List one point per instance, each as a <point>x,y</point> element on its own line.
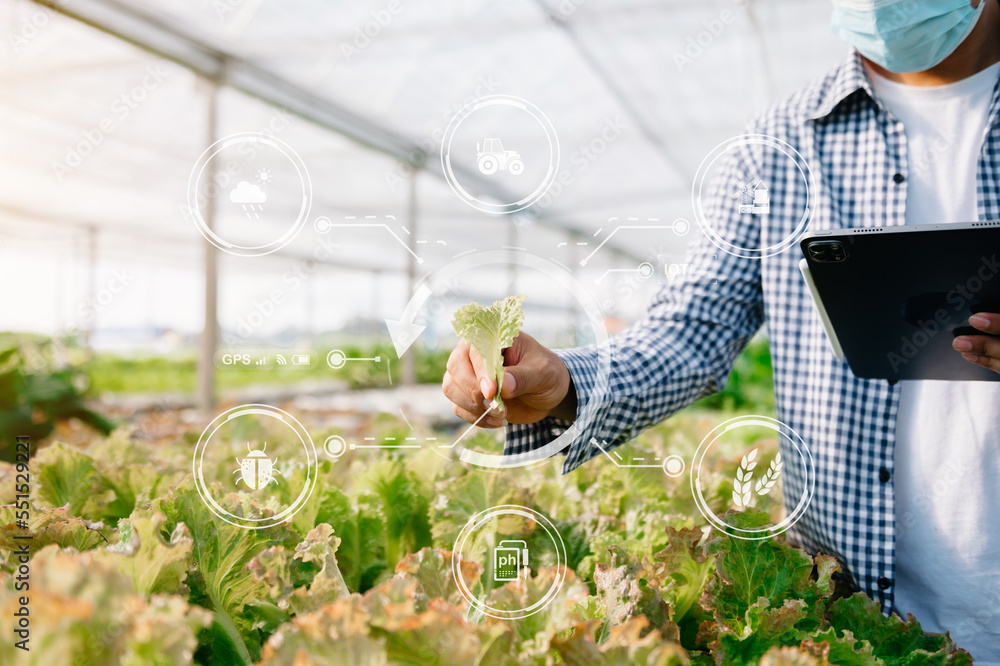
<point>167,39</point>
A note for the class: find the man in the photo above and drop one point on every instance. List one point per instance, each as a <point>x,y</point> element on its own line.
<point>906,131</point>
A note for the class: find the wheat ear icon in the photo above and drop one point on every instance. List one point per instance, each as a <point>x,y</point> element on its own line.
<point>741,486</point>
<point>766,482</point>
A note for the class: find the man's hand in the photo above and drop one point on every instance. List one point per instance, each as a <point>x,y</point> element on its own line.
<point>982,350</point>
<point>536,384</point>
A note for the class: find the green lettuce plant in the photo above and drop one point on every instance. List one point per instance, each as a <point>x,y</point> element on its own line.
<point>490,330</point>
<point>134,569</point>
<point>33,399</point>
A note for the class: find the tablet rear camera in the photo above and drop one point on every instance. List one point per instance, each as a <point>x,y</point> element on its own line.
<point>827,252</point>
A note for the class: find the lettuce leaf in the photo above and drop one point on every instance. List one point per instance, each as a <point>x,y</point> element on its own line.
<point>404,502</point>
<point>283,572</point>
<point>68,478</point>
<point>681,570</point>
<point>491,330</point>
<point>628,644</point>
<point>749,570</point>
<point>894,641</point>
<point>360,525</point>
<point>220,577</point>
<point>339,633</point>
<point>320,548</point>
<point>154,564</point>
<point>668,591</point>
<point>623,587</point>
<point>47,526</point>
<point>84,611</point>
<point>432,568</point>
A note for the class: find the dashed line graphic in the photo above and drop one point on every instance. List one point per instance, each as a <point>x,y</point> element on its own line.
<point>672,465</point>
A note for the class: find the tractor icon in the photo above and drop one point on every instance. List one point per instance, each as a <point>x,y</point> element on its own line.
<point>492,156</point>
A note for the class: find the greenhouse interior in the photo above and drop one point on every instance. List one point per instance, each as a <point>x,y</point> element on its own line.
<point>265,264</point>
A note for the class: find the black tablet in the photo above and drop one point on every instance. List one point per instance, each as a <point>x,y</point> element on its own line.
<point>892,299</point>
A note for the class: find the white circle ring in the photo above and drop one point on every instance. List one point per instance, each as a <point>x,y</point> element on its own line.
<point>255,138</point>
<point>699,182</point>
<point>478,521</point>
<point>335,446</point>
<point>442,281</point>
<point>336,359</point>
<point>805,460</point>
<point>550,135</point>
<point>312,466</point>
<point>673,465</point>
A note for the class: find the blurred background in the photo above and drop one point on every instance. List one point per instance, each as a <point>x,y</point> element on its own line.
<point>119,307</point>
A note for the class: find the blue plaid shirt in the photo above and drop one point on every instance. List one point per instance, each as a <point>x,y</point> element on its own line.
<point>685,347</point>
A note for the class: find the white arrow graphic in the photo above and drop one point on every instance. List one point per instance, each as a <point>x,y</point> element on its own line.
<point>404,332</point>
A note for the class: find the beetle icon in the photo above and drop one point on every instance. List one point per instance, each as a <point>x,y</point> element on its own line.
<point>256,470</point>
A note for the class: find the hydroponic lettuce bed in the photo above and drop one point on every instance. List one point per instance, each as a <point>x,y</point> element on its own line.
<point>130,567</point>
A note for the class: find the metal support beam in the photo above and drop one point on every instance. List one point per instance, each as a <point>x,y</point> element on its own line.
<point>91,324</point>
<point>512,236</point>
<point>611,83</point>
<point>210,330</point>
<point>574,269</point>
<point>311,308</point>
<point>375,313</point>
<point>12,224</point>
<point>409,367</point>
<point>172,40</point>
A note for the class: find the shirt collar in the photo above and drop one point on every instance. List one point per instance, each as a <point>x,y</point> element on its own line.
<point>853,76</point>
<point>847,79</point>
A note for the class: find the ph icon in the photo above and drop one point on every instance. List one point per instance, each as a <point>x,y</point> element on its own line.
<point>508,559</point>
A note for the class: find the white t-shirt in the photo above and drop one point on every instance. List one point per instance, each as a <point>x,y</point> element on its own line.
<point>947,459</point>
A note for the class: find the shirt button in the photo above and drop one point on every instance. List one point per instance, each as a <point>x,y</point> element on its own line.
<point>883,583</point>
<point>898,178</point>
<point>883,475</point>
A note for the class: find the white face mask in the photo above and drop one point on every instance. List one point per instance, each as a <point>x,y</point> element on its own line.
<point>905,35</point>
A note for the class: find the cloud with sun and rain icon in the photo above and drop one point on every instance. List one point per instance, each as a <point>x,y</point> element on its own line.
<point>250,196</point>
